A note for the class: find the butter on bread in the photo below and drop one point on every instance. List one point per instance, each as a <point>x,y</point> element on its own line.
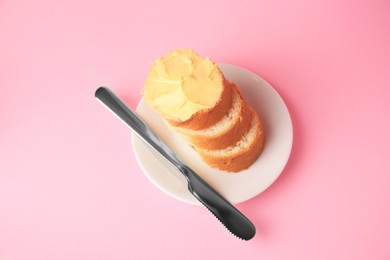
<point>191,93</point>
<point>187,90</point>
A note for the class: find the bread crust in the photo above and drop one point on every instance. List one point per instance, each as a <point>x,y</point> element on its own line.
<point>237,127</point>
<point>241,160</point>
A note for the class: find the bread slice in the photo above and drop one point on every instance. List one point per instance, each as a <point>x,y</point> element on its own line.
<point>188,90</point>
<point>227,131</point>
<point>242,154</point>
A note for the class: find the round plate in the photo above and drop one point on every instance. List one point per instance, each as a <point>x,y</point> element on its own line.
<point>235,187</point>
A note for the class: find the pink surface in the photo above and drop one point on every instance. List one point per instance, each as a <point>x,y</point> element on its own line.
<point>70,187</point>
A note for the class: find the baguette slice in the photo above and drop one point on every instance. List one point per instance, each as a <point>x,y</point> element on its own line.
<point>228,130</point>
<point>188,90</point>
<point>241,155</point>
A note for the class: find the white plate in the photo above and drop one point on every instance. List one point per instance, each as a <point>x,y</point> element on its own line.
<point>235,187</point>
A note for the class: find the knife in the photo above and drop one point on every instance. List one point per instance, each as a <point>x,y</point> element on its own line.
<point>224,211</point>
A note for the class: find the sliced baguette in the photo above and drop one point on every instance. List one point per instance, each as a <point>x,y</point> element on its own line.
<point>227,131</point>
<point>241,155</point>
<point>193,97</point>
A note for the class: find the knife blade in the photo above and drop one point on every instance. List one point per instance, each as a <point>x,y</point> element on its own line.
<point>223,210</point>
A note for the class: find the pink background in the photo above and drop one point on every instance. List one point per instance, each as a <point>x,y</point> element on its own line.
<point>70,187</point>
